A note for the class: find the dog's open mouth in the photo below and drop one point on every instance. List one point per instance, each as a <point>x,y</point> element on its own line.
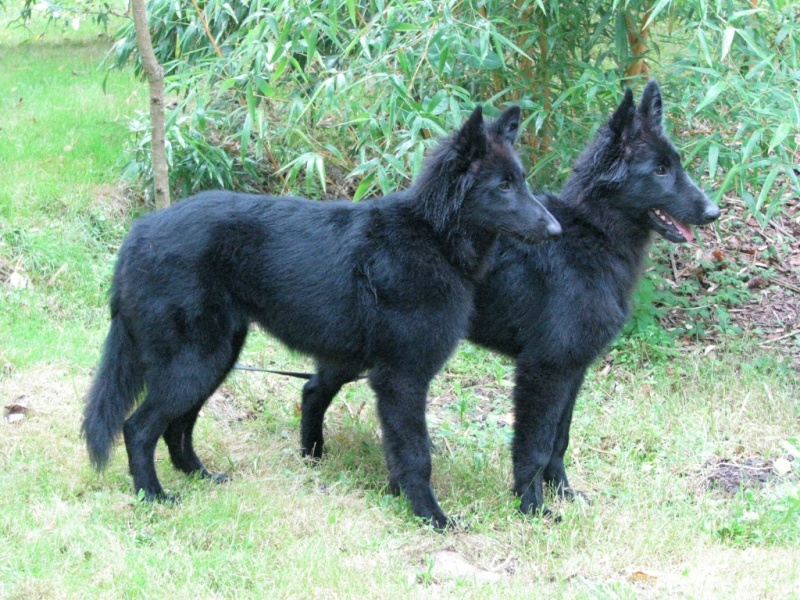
<point>670,227</point>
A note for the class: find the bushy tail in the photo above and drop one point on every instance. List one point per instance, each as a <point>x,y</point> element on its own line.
<point>118,382</point>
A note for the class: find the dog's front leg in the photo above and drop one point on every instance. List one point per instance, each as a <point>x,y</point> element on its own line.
<point>555,474</point>
<point>401,408</point>
<point>541,397</point>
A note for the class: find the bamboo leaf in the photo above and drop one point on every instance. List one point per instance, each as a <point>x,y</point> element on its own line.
<point>660,6</point>
<point>713,156</point>
<point>766,187</point>
<point>711,95</point>
<point>784,129</point>
<point>727,40</point>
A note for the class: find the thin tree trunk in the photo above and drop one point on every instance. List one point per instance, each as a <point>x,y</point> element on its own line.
<point>638,38</point>
<point>155,81</point>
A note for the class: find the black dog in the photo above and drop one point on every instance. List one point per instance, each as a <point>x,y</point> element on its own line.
<point>385,286</point>
<point>555,307</point>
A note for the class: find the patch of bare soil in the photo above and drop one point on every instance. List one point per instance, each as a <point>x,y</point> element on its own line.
<point>731,476</point>
<point>116,201</point>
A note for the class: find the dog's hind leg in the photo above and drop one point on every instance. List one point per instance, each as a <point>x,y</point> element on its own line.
<point>175,391</point>
<point>141,432</point>
<point>401,408</point>
<point>178,435</point>
<point>318,393</point>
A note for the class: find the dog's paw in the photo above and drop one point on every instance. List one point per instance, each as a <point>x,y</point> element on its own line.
<point>216,477</point>
<point>312,453</point>
<point>571,494</point>
<point>441,522</point>
<point>160,497</point>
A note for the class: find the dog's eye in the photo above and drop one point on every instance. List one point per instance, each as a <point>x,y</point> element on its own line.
<point>505,186</point>
<point>660,170</point>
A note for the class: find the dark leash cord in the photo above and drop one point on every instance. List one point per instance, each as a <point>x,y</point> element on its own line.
<point>296,374</point>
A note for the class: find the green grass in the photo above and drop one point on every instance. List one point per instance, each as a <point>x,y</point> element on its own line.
<point>643,436</point>
<point>62,135</point>
<point>281,527</point>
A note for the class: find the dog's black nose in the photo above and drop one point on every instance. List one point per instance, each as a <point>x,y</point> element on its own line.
<point>553,228</point>
<point>711,213</point>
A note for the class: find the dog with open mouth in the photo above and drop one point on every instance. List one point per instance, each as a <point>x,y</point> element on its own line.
<point>556,307</point>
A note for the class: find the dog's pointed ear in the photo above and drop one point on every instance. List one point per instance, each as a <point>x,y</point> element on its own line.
<point>471,138</point>
<point>651,108</point>
<point>622,118</point>
<point>506,126</point>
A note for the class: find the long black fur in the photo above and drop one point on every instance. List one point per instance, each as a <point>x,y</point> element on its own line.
<point>384,286</point>
<point>555,307</point>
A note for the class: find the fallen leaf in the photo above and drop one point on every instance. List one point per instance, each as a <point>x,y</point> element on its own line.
<point>55,275</point>
<point>507,419</point>
<point>18,406</point>
<point>643,577</point>
<point>790,448</point>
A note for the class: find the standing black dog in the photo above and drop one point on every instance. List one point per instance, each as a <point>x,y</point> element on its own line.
<point>555,307</point>
<point>385,286</point>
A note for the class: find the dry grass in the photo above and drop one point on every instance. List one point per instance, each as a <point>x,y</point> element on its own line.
<point>287,529</point>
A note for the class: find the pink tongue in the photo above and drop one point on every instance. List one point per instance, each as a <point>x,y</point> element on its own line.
<point>684,229</point>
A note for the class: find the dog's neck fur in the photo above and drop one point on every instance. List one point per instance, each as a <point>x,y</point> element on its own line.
<point>471,252</point>
<point>468,249</point>
<point>594,228</point>
<point>597,224</point>
<point>441,208</point>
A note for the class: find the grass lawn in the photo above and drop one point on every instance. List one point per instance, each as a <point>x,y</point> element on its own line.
<point>660,446</point>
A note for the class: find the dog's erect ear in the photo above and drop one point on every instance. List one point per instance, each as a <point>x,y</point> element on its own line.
<point>650,107</point>
<point>471,138</point>
<point>506,126</point>
<point>622,118</point>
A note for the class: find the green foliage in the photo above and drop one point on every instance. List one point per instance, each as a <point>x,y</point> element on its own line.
<point>757,519</point>
<point>335,97</point>
<point>737,86</point>
<point>699,302</point>
<point>347,95</point>
<point>338,98</point>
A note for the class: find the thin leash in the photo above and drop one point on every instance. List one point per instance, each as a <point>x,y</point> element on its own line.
<point>296,374</point>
